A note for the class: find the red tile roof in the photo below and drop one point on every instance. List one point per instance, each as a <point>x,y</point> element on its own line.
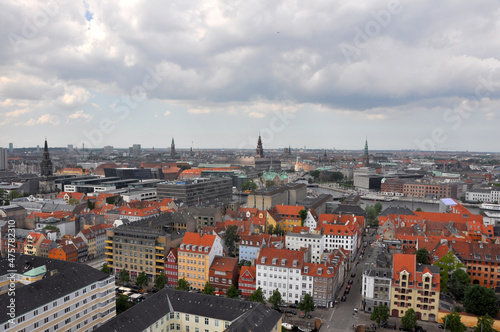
<point>197,239</point>
<point>406,262</point>
<point>281,257</point>
<point>226,264</point>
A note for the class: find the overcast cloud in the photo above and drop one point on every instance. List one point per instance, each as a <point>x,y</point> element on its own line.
<point>321,74</point>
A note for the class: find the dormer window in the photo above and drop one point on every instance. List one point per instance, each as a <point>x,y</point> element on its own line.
<point>320,271</point>
<point>263,260</point>
<point>207,249</point>
<point>195,247</point>
<point>306,269</point>
<point>275,261</point>
<point>188,247</point>
<point>295,263</point>
<point>200,249</point>
<point>183,246</point>
<point>283,262</point>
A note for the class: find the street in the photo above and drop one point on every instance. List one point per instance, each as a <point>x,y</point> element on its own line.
<point>97,262</point>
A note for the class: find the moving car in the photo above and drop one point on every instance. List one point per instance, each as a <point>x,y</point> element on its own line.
<point>353,274</point>
<point>344,298</point>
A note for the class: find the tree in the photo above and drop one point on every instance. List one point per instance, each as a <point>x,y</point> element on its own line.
<point>310,180</point>
<point>183,284</point>
<point>418,209</point>
<point>183,167</point>
<point>479,300</point>
<point>275,299</point>
<point>484,324</point>
<point>90,205</point>
<point>447,264</point>
<point>409,320</point>
<point>142,279</point>
<point>303,216</point>
<point>307,304</point>
<point>208,289</point>
<point>378,207</point>
<point>257,296</point>
<point>233,292</point>
<point>72,201</point>
<point>371,215</point>
<point>270,229</point>
<point>422,256</point>
<point>315,174</point>
<point>249,185</point>
<point>161,280</point>
<point>122,304</point>
<point>458,283</point>
<point>453,322</point>
<point>110,200</point>
<point>105,268</point>
<point>53,228</point>
<point>14,194</point>
<point>124,276</point>
<point>278,230</point>
<point>380,313</point>
<point>231,239</point>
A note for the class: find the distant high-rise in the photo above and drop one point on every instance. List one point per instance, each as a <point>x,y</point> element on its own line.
<point>366,156</point>
<point>46,164</point>
<point>107,150</point>
<point>260,150</point>
<point>136,150</point>
<point>11,147</point>
<point>3,159</point>
<point>172,149</point>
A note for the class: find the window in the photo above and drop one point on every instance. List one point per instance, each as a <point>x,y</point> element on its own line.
<point>196,319</point>
<point>207,321</point>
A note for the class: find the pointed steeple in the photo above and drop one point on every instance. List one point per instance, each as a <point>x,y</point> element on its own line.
<point>366,156</point>
<point>172,149</point>
<point>259,150</point>
<point>46,164</point>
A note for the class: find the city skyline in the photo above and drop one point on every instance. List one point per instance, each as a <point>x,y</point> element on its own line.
<point>409,76</point>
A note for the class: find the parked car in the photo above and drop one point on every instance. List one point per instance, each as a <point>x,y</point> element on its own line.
<point>346,291</point>
<point>344,298</point>
<point>350,282</point>
<point>441,326</point>
<point>353,274</point>
<point>290,312</point>
<point>420,329</point>
<point>293,306</point>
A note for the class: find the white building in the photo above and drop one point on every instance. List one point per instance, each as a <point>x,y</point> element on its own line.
<point>490,195</point>
<point>315,243</point>
<point>280,269</point>
<point>310,222</point>
<point>338,235</point>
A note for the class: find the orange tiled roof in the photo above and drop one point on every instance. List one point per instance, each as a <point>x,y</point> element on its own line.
<point>226,264</point>
<point>205,240</point>
<point>404,262</point>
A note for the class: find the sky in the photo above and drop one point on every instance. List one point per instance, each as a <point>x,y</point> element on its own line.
<point>420,75</point>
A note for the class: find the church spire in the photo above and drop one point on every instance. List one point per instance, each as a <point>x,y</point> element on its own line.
<point>259,150</point>
<point>172,149</point>
<point>366,156</point>
<point>46,164</point>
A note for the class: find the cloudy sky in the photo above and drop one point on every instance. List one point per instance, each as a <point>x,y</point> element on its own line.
<point>321,74</point>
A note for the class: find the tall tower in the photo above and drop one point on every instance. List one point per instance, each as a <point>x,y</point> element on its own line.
<point>366,156</point>
<point>260,150</point>
<point>172,149</point>
<point>46,164</point>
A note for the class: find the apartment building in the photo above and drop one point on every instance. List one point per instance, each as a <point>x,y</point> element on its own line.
<point>303,239</point>
<point>196,254</point>
<point>414,286</point>
<point>281,269</point>
<point>224,273</point>
<point>250,246</point>
<point>54,295</point>
<point>173,310</point>
<point>247,280</point>
<point>32,243</point>
<point>377,279</point>
<point>171,268</point>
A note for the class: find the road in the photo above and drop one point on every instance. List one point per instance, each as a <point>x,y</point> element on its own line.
<point>97,262</point>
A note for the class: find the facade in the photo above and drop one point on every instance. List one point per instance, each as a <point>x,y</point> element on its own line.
<point>430,190</point>
<point>288,215</point>
<point>3,159</point>
<point>195,191</point>
<point>171,267</point>
<point>224,273</point>
<point>173,310</point>
<point>56,295</point>
<point>250,246</point>
<point>377,279</point>
<point>205,216</point>
<point>343,232</point>
<point>32,244</point>
<point>136,249</point>
<point>268,198</point>
<point>67,252</point>
<point>315,243</point>
<point>280,269</point>
<point>247,280</point>
<point>486,195</point>
<point>321,282</point>
<point>414,286</point>
<point>482,261</point>
<point>392,187</point>
<point>196,254</point>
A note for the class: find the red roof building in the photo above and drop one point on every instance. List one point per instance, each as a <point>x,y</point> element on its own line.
<point>224,273</point>
<point>247,280</point>
<point>171,268</point>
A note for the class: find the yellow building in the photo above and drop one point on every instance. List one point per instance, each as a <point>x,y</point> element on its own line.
<point>414,286</point>
<point>287,216</point>
<point>195,255</point>
<point>32,244</point>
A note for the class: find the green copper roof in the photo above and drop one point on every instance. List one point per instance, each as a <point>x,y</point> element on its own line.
<point>36,272</point>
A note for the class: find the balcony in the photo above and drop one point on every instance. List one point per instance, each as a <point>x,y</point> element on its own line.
<point>159,260</point>
<point>108,247</point>
<point>109,259</point>
<point>110,253</point>
<point>108,241</point>
<point>160,248</point>
<point>160,253</point>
